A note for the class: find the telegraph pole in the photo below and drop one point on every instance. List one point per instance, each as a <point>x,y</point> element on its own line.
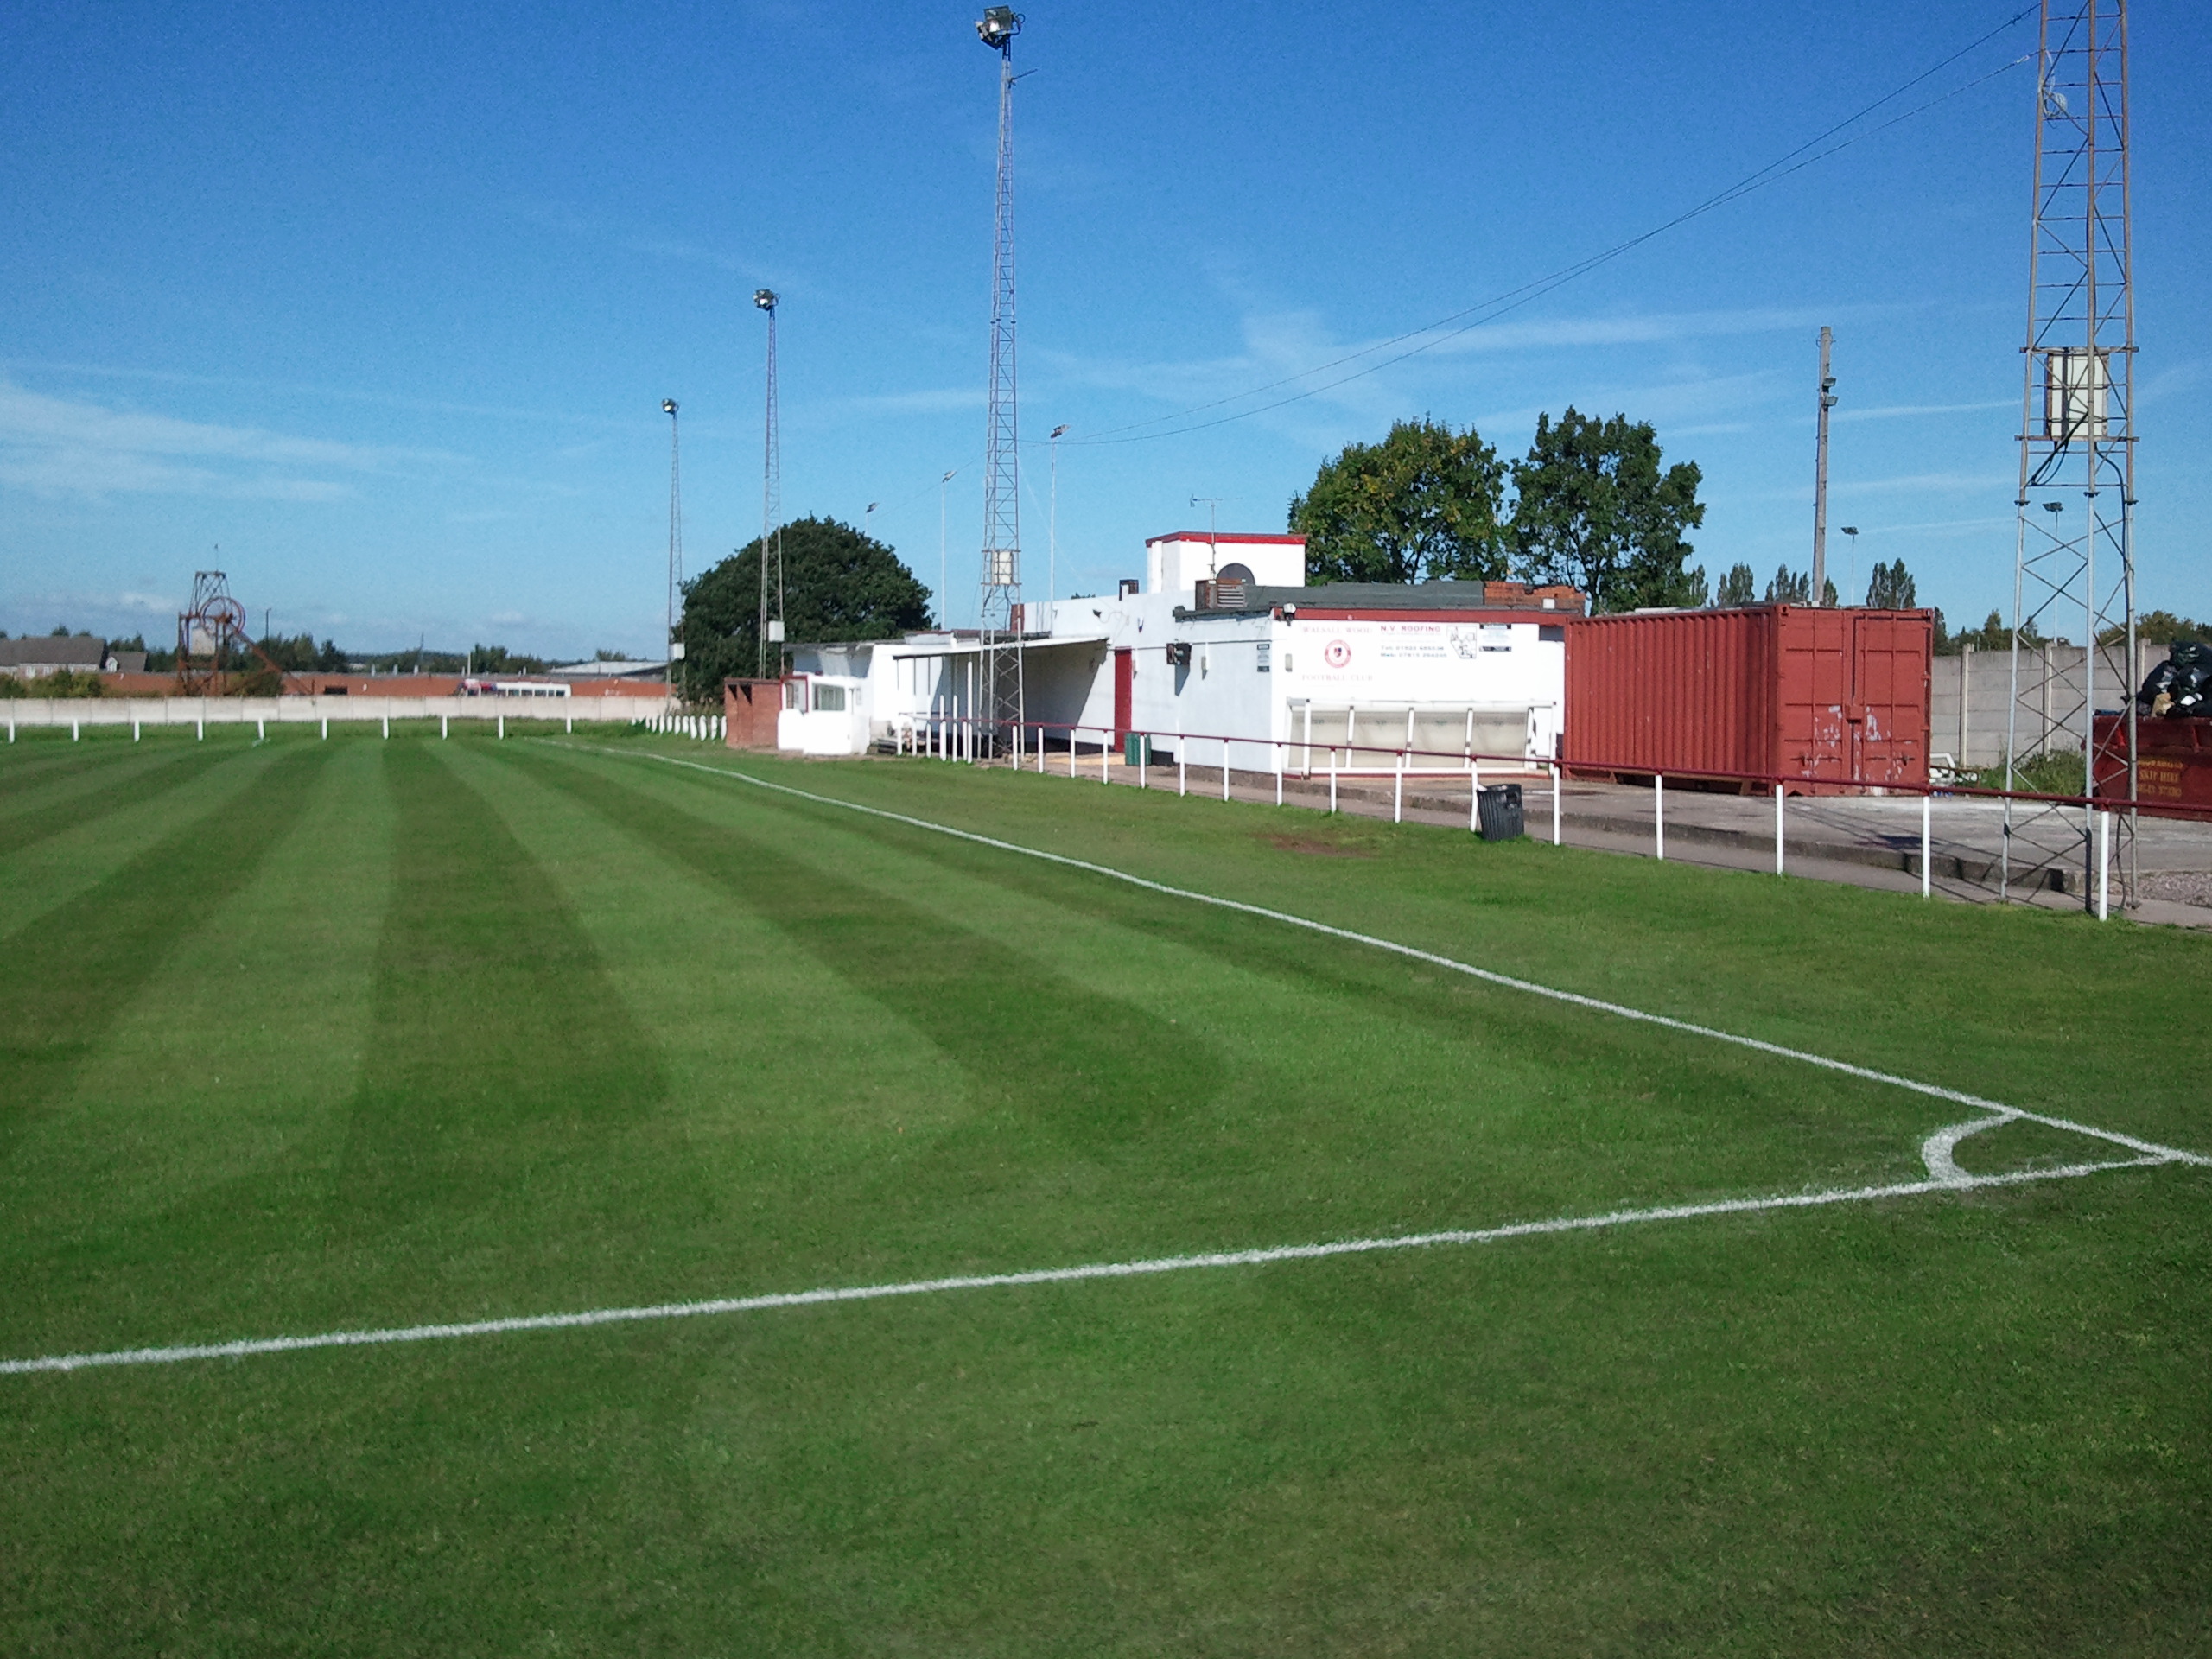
<point>1820,476</point>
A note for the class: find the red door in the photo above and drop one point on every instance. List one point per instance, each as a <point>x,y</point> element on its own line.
<point>1125,683</point>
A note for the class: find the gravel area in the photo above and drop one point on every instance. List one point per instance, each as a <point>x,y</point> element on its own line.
<point>2178,886</point>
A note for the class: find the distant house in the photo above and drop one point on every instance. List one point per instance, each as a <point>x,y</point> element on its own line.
<point>33,658</point>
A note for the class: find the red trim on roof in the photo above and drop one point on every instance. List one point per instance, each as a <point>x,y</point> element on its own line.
<point>1226,536</point>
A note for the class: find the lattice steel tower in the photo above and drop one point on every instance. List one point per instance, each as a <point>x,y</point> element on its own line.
<point>2074,559</point>
<point>1000,693</point>
<point>771,489</point>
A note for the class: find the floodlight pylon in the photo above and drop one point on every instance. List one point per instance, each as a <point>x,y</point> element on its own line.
<point>2074,568</point>
<point>675,648</point>
<point>1000,620</point>
<point>772,466</point>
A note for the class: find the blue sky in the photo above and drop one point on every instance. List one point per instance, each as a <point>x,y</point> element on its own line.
<point>382,300</point>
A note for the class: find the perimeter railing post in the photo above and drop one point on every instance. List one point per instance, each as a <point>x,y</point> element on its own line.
<point>1659,815</point>
<point>1333,780</point>
<point>1225,768</point>
<point>387,727</point>
<point>2104,866</point>
<point>1557,785</point>
<point>445,725</point>
<point>1778,828</point>
<point>260,730</point>
<point>1144,756</point>
<point>1105,757</point>
<point>1182,766</point>
<point>134,730</point>
<point>1926,845</point>
<point>1398,791</point>
<point>1474,794</point>
<point>1278,758</point>
<point>503,727</point>
<point>1071,751</point>
<point>73,729</point>
<point>326,728</point>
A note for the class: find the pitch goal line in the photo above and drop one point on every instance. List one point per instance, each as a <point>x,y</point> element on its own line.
<point>250,1347</point>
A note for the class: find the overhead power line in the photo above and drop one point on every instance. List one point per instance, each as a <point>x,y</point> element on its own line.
<point>1447,328</point>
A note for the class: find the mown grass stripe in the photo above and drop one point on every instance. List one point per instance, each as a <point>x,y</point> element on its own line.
<point>74,805</point>
<point>1577,999</point>
<point>66,976</point>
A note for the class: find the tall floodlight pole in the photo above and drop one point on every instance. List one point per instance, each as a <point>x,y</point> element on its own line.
<point>1820,475</point>
<point>770,484</point>
<point>675,538</point>
<point>999,607</point>
<point>1052,522</point>
<point>2075,571</point>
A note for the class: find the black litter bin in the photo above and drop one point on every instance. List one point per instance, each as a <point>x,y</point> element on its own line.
<point>1498,811</point>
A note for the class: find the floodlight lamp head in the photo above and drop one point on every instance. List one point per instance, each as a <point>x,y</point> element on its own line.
<point>1058,430</point>
<point>2054,506</point>
<point>765,298</point>
<point>1851,529</point>
<point>668,405</point>
<point>999,26</point>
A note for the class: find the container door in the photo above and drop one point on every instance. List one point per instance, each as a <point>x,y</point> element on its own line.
<point>1125,689</point>
<point>1891,667</point>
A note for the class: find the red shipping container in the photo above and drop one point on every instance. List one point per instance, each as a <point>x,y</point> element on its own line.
<point>1834,700</point>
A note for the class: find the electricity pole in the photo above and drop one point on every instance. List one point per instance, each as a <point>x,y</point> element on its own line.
<point>1821,477</point>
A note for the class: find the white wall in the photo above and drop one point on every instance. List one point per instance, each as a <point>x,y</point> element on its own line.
<point>1173,564</point>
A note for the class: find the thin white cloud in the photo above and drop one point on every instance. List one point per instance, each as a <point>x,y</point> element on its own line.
<point>60,447</point>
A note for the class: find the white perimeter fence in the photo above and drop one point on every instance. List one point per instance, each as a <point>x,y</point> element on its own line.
<point>261,713</point>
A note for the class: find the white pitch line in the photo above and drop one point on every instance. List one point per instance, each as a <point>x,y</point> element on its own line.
<point>251,1346</point>
<point>1620,1010</point>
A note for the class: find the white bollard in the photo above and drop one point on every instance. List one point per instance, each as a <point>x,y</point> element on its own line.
<point>1659,815</point>
<point>326,728</point>
<point>1777,830</point>
<point>73,731</point>
<point>569,724</point>
<point>503,728</point>
<point>443,724</point>
<point>134,730</point>
<point>387,727</point>
<point>203,727</point>
<point>260,729</point>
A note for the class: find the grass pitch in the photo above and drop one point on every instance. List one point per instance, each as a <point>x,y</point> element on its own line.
<point>309,1036</point>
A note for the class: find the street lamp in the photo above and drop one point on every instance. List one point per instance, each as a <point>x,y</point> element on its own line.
<point>942,620</point>
<point>1052,523</point>
<point>1851,530</point>
<point>998,27</point>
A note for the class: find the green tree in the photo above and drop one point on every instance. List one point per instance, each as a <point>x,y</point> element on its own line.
<point>1422,505</point>
<point>837,584</point>
<point>1790,587</point>
<point>1596,511</point>
<point>1739,587</point>
<point>1890,587</point>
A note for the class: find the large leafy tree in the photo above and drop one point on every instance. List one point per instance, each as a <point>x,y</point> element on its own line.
<point>1739,587</point>
<point>1596,512</point>
<point>1423,503</point>
<point>837,584</point>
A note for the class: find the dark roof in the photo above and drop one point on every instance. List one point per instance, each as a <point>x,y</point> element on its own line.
<point>53,651</point>
<point>1384,596</point>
